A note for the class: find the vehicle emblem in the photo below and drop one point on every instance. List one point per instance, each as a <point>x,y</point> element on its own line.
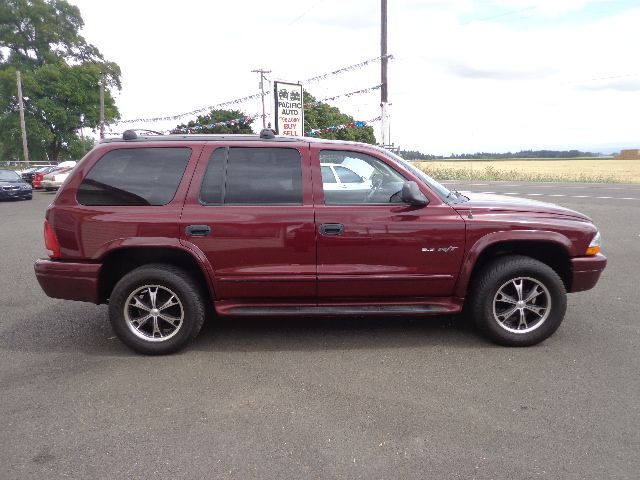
<point>448,249</point>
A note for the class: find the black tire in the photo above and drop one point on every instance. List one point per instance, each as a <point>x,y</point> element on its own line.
<point>517,278</point>
<point>155,336</point>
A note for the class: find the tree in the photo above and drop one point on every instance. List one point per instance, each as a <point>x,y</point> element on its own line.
<point>320,115</point>
<point>78,148</point>
<point>219,116</point>
<point>61,74</point>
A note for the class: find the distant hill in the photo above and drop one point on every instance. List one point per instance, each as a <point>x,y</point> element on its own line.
<point>416,155</point>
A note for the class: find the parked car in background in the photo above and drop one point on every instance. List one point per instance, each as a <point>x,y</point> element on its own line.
<point>13,187</point>
<point>27,171</point>
<point>36,182</point>
<point>338,177</point>
<point>54,179</point>
<point>29,174</point>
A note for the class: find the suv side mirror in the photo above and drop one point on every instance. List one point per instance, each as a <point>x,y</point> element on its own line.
<point>412,195</point>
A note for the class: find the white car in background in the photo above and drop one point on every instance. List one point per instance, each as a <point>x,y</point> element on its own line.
<point>55,179</point>
<point>340,177</point>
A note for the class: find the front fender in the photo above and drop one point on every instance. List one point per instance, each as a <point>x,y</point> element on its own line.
<point>475,250</point>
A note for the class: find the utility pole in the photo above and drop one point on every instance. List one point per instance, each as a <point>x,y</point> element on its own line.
<point>101,108</point>
<point>262,72</point>
<point>25,149</point>
<point>383,70</point>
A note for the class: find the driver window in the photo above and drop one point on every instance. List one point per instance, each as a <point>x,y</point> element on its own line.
<point>363,179</point>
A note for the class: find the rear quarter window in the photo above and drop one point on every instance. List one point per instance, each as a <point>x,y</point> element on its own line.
<point>135,176</point>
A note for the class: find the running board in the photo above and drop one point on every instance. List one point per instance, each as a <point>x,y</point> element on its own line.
<point>343,310</point>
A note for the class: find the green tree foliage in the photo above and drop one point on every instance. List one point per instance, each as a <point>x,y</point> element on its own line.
<point>78,148</point>
<point>320,115</point>
<point>217,116</point>
<point>60,78</point>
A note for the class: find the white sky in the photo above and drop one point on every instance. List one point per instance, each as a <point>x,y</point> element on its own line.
<point>468,75</point>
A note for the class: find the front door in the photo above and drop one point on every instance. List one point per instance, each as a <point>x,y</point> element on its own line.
<point>252,216</point>
<point>370,245</point>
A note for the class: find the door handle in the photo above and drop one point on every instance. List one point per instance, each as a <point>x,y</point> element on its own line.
<point>198,230</point>
<point>331,229</point>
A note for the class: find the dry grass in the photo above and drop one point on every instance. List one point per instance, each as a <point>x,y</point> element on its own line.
<point>579,170</point>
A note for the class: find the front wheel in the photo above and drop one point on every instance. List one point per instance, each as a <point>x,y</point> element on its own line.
<point>518,301</point>
<point>156,309</point>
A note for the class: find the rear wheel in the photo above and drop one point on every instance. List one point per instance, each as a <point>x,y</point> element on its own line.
<point>156,309</point>
<point>518,301</point>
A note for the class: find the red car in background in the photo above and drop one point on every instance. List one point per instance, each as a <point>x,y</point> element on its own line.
<point>36,179</point>
<point>60,168</point>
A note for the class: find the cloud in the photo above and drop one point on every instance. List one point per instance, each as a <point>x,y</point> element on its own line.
<point>549,8</point>
<point>464,70</point>
<point>620,85</point>
<point>513,83</point>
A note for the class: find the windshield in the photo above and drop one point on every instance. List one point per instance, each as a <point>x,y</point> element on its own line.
<point>8,176</point>
<point>442,191</point>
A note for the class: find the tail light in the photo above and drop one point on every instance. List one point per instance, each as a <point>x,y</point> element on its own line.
<point>51,241</point>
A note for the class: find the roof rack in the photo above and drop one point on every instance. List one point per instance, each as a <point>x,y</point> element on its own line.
<point>132,135</point>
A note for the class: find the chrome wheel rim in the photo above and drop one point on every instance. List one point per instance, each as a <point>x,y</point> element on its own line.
<point>521,305</point>
<point>154,313</point>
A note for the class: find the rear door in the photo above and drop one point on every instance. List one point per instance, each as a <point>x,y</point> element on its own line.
<point>249,210</point>
<point>372,246</point>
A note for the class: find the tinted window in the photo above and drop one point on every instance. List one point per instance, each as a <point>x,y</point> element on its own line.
<point>327,175</point>
<point>135,176</point>
<point>211,190</point>
<point>347,176</point>
<point>253,176</point>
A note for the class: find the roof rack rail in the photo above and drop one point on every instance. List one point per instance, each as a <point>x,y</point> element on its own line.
<point>132,135</point>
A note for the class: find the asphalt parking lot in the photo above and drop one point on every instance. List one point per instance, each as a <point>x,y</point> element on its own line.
<point>367,398</point>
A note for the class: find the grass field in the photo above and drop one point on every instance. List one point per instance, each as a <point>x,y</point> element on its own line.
<point>537,170</point>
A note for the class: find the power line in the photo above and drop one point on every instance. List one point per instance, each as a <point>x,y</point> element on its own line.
<point>304,13</point>
<point>250,97</point>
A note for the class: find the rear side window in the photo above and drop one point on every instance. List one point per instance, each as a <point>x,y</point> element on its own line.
<point>253,176</point>
<point>135,176</point>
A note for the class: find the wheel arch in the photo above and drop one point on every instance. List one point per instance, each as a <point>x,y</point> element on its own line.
<point>550,248</point>
<point>118,262</point>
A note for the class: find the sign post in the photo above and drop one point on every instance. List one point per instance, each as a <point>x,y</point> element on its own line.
<point>289,118</point>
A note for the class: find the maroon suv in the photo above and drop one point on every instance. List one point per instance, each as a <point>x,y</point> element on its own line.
<point>163,227</point>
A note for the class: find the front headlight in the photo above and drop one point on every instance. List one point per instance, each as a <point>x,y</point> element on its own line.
<point>594,246</point>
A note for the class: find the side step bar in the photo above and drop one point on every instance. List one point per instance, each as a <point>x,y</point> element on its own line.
<point>343,310</point>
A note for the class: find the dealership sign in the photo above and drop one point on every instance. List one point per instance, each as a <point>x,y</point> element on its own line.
<point>289,109</point>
